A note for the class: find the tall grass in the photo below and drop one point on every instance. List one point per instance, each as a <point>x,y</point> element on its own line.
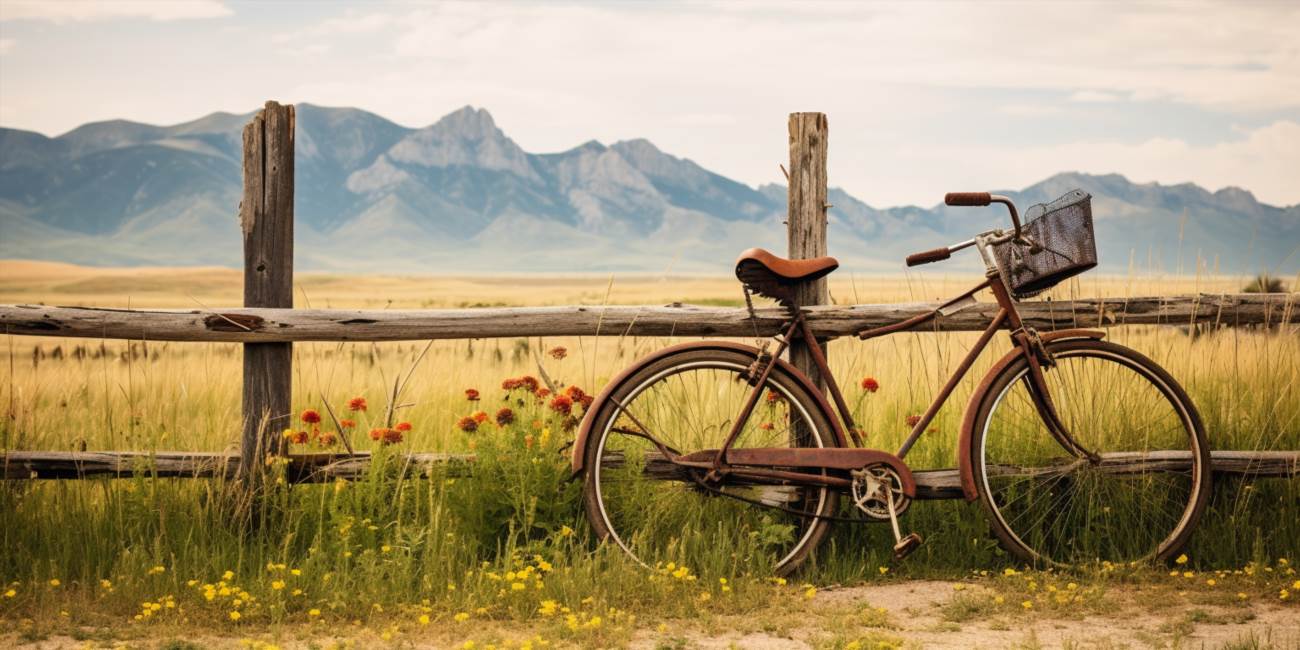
<point>454,543</point>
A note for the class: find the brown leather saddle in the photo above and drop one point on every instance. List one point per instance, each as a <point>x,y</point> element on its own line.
<point>776,277</point>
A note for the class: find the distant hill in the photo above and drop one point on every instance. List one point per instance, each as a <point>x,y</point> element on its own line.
<point>461,196</point>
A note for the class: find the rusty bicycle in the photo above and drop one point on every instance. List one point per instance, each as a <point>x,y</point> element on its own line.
<point>1079,450</point>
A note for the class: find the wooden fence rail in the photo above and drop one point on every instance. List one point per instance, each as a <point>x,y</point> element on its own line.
<point>319,468</point>
<point>249,325</point>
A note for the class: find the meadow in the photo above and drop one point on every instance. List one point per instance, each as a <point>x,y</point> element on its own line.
<point>501,553</point>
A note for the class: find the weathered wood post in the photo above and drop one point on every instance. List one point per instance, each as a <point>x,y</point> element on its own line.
<point>266,217</point>
<point>807,217</point>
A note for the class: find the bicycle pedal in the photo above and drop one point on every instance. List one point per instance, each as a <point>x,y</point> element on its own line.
<point>905,546</point>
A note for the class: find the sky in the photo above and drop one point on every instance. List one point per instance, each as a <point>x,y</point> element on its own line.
<point>922,98</point>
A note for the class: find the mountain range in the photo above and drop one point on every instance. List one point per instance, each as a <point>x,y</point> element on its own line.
<point>459,196</point>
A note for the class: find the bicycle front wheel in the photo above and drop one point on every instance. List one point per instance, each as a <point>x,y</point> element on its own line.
<point>1139,485</point>
<point>660,513</point>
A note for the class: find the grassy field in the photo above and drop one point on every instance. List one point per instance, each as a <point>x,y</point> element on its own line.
<point>504,554</point>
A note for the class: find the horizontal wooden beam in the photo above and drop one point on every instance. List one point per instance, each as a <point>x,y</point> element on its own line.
<point>317,468</point>
<point>272,325</point>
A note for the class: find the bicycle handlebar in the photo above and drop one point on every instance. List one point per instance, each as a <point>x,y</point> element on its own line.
<point>968,198</point>
<point>935,255</point>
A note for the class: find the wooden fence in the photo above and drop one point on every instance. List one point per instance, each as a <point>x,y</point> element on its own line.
<point>268,325</point>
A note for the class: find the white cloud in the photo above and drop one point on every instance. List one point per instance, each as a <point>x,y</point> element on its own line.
<point>7,45</point>
<point>62,11</point>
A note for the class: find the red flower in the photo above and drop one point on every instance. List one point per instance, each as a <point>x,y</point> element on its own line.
<point>300,438</point>
<point>311,416</point>
<point>357,404</point>
<point>870,384</point>
<point>479,416</point>
<point>576,394</point>
<point>772,397</point>
<point>558,352</point>
<point>542,393</point>
<point>510,384</point>
<point>587,400</point>
<point>530,382</point>
<point>505,416</point>
<point>392,436</point>
<point>767,426</point>
<point>328,439</point>
<point>376,434</point>
<point>562,404</point>
<point>467,424</point>
<point>912,420</point>
<point>471,394</point>
<point>403,426</point>
<point>346,423</point>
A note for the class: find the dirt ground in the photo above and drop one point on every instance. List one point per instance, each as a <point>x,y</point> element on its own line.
<point>910,614</point>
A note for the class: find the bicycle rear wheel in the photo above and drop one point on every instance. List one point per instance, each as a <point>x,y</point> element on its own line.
<point>1142,497</point>
<point>659,513</point>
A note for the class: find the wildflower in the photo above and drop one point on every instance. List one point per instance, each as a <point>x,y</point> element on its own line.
<point>998,600</point>
<point>392,436</point>
<point>424,619</point>
<point>328,439</point>
<point>870,384</point>
<point>54,582</point>
<point>773,397</point>
<point>235,615</point>
<point>479,416</point>
<point>378,433</point>
<point>11,593</point>
<point>1211,582</point>
<point>767,426</point>
<point>528,441</point>
<point>311,416</point>
<point>313,612</point>
<point>108,584</point>
<point>471,394</point>
<point>518,586</point>
<point>558,352</point>
<point>912,420</point>
<point>548,608</point>
<point>357,404</point>
<point>542,393</point>
<point>467,424</point>
<point>505,416</point>
<point>1241,595</point>
<point>461,617</point>
<point>1284,594</point>
<point>1072,586</point>
<point>300,438</point>
<point>288,434</point>
<point>1182,559</point>
<point>884,570</point>
<point>1008,571</point>
<point>565,531</point>
<point>1028,604</point>
<point>562,404</point>
<point>403,426</point>
<point>347,424</point>
<point>576,394</point>
<point>810,592</point>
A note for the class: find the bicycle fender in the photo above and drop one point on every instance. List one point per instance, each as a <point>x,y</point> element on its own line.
<point>588,418</point>
<point>965,467</point>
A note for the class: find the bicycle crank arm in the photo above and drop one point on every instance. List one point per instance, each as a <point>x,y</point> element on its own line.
<point>831,458</point>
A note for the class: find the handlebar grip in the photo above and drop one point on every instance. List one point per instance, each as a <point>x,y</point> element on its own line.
<point>967,198</point>
<point>926,257</point>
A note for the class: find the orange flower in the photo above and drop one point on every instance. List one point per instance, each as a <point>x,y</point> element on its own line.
<point>773,397</point>
<point>357,404</point>
<point>562,404</point>
<point>528,441</point>
<point>346,423</point>
<point>311,416</point>
<point>912,420</point>
<point>328,439</point>
<point>542,393</point>
<point>530,382</point>
<point>403,426</point>
<point>376,434</point>
<point>505,416</point>
<point>300,438</point>
<point>392,436</point>
<point>471,394</point>
<point>467,424</point>
<point>767,426</point>
<point>479,416</point>
<point>870,384</point>
<point>558,352</point>
<point>575,393</point>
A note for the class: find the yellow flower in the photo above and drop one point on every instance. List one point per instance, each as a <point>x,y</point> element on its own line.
<point>1296,585</point>
<point>313,612</point>
<point>461,617</point>
<point>1182,559</point>
<point>1027,604</point>
<point>424,619</point>
<point>1211,582</point>
<point>1284,594</point>
<point>1188,574</point>
<point>234,616</point>
<point>565,531</point>
<point>999,600</point>
<point>548,608</point>
<point>107,584</point>
<point>54,582</point>
<point>229,575</point>
<point>296,572</point>
<point>157,569</point>
<point>1241,595</point>
<point>385,548</point>
<point>810,592</point>
<point>277,585</point>
<point>518,586</point>
<point>884,570</point>
<point>1008,571</point>
<point>11,593</point>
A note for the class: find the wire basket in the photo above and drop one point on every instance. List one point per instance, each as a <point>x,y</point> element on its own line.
<point>1060,246</point>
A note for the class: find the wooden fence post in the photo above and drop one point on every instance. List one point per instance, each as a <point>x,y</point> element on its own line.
<point>807,217</point>
<point>266,217</point>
